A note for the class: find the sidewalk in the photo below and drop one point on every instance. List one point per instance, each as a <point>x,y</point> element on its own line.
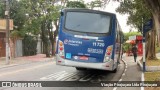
<point>24,60</point>
<point>131,73</point>
<point>149,68</point>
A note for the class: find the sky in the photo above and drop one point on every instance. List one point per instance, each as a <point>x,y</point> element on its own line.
<point>110,7</point>
<point>121,18</point>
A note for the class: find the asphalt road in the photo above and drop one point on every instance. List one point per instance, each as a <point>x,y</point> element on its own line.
<point>49,71</point>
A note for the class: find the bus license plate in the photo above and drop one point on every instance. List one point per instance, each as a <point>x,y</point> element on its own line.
<point>83,58</point>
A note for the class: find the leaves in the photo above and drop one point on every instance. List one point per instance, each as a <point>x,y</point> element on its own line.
<point>75,4</point>
<point>136,10</point>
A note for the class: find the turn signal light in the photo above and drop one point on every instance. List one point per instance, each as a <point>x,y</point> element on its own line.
<point>60,44</point>
<point>109,49</point>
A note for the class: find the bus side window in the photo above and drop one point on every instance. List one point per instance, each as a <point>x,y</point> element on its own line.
<point>118,34</point>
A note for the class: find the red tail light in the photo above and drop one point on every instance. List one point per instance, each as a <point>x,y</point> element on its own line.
<point>61,48</point>
<point>108,53</point>
<point>62,56</point>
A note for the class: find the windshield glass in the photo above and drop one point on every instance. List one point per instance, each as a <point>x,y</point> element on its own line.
<point>87,22</point>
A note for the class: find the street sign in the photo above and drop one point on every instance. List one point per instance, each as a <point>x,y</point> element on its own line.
<point>132,37</point>
<point>147,26</point>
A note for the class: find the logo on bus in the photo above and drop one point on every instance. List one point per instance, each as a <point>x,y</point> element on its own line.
<point>65,41</point>
<point>72,42</point>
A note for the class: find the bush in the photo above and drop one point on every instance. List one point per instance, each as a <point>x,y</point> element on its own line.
<point>29,45</point>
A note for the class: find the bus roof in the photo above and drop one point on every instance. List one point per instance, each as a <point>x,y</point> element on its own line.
<point>88,10</point>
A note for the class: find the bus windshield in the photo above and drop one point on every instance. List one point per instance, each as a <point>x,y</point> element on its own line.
<point>88,22</point>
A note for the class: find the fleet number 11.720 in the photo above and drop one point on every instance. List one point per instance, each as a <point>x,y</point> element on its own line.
<point>98,44</point>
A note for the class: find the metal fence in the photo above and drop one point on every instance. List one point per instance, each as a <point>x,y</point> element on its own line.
<point>21,47</point>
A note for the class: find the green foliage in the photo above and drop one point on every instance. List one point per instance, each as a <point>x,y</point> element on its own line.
<point>2,8</point>
<point>95,3</point>
<point>127,46</point>
<point>29,45</point>
<point>157,49</point>
<point>75,4</point>
<point>127,35</point>
<point>136,10</point>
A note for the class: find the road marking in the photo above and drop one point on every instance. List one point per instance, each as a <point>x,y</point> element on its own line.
<point>26,69</point>
<point>120,80</point>
<point>49,77</point>
<point>123,74</point>
<point>142,79</point>
<point>87,77</point>
<point>68,76</point>
<point>115,88</point>
<point>59,76</point>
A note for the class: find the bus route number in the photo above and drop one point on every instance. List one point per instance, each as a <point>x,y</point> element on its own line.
<point>97,44</point>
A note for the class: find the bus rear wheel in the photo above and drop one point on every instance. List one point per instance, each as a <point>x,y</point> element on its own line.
<point>79,68</point>
<point>114,71</point>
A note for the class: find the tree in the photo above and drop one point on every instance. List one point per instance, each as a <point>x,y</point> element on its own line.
<point>127,46</point>
<point>45,13</point>
<point>75,4</point>
<point>154,6</point>
<point>138,14</point>
<point>2,9</point>
<point>17,12</point>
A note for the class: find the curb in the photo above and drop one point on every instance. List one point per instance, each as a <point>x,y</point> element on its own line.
<point>13,65</point>
<point>142,79</point>
<point>142,76</point>
<point>139,63</point>
<point>148,68</point>
<point>125,69</point>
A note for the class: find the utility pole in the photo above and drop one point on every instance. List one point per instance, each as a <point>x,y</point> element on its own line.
<point>144,49</point>
<point>7,33</point>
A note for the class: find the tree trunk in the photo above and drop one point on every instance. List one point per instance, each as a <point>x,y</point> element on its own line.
<point>55,35</point>
<point>147,44</point>
<point>45,40</point>
<point>157,27</point>
<point>151,45</point>
<point>54,40</point>
<point>154,6</point>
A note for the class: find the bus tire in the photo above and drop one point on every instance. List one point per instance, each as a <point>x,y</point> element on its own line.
<point>79,68</point>
<point>114,71</point>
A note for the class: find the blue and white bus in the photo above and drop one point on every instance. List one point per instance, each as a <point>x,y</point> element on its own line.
<point>89,39</point>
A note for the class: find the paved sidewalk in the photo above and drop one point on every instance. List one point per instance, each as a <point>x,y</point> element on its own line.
<point>132,72</point>
<point>24,60</point>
